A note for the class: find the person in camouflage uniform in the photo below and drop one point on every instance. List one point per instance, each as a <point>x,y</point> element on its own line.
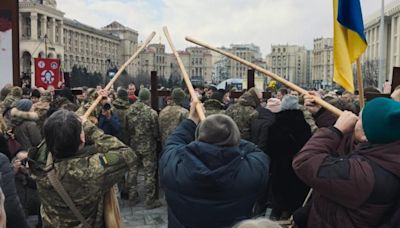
<point>120,109</point>
<point>214,104</point>
<point>86,172</point>
<point>244,111</point>
<point>173,114</point>
<point>10,100</point>
<point>142,124</point>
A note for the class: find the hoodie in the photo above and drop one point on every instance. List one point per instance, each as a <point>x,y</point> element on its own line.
<point>207,185</point>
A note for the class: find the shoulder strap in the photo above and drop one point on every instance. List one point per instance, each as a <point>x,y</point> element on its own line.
<point>62,193</point>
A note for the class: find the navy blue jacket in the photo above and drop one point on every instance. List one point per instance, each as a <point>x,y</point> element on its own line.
<point>207,185</point>
<point>109,126</point>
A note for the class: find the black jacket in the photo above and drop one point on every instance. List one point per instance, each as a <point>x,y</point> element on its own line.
<point>260,127</point>
<point>210,186</point>
<point>12,206</point>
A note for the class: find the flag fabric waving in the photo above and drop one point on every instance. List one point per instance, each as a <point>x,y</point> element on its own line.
<point>349,40</point>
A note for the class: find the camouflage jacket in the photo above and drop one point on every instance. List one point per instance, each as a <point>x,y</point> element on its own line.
<point>8,102</point>
<point>169,119</point>
<point>86,177</point>
<point>213,106</point>
<point>142,125</point>
<point>41,108</point>
<point>120,109</point>
<point>243,113</point>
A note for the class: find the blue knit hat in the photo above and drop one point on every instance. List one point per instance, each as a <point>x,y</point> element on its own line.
<point>381,120</point>
<point>24,105</point>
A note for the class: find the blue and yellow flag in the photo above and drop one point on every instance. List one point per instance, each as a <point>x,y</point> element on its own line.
<point>348,40</point>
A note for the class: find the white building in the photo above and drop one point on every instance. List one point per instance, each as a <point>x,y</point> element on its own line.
<point>322,66</point>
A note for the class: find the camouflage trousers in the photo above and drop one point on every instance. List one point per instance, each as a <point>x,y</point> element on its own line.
<point>149,162</point>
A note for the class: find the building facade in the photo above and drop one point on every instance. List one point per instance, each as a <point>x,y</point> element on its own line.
<point>45,32</point>
<point>289,62</point>
<point>322,66</point>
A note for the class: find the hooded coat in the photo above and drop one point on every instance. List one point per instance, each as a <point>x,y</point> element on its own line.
<point>207,185</point>
<point>25,129</point>
<point>120,110</point>
<point>213,106</point>
<point>244,112</point>
<point>356,190</point>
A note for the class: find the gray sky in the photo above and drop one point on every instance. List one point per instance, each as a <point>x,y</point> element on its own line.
<point>217,22</point>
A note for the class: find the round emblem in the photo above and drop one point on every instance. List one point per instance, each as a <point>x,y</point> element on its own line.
<point>47,77</point>
<point>41,64</point>
<point>54,65</point>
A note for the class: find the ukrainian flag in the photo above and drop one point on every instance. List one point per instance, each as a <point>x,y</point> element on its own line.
<point>349,40</point>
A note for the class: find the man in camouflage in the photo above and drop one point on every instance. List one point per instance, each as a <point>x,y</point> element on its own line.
<point>86,172</point>
<point>214,104</point>
<point>244,111</point>
<point>10,100</point>
<point>142,124</point>
<point>173,114</point>
<point>120,109</point>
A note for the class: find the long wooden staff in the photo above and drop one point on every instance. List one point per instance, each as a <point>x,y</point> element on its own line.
<point>186,78</point>
<point>276,77</point>
<point>116,76</point>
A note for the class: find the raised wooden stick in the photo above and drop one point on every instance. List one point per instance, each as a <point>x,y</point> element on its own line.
<point>360,84</point>
<point>116,76</point>
<point>276,77</point>
<point>186,78</point>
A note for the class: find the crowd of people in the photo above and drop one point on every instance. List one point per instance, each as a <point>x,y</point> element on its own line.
<point>249,154</point>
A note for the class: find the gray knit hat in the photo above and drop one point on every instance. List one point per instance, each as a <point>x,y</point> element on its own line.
<point>290,102</point>
<point>218,129</point>
<point>144,94</point>
<point>178,96</point>
<point>24,105</point>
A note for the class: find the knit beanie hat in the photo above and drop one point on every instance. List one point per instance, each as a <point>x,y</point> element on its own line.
<point>219,96</point>
<point>144,94</point>
<point>274,105</point>
<point>178,96</point>
<point>381,120</point>
<point>35,93</point>
<point>290,102</point>
<point>219,130</point>
<point>24,105</point>
<point>122,94</point>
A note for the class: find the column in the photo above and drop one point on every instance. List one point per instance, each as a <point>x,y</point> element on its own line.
<point>53,30</point>
<point>21,18</point>
<point>43,26</point>
<point>34,21</point>
<point>61,26</point>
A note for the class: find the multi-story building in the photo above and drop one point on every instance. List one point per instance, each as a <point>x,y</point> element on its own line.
<point>289,62</point>
<point>322,66</point>
<point>45,32</point>
<point>391,43</point>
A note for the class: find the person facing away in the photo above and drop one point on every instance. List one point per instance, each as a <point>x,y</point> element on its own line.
<point>172,115</point>
<point>360,189</point>
<point>86,172</point>
<point>142,124</point>
<point>210,176</point>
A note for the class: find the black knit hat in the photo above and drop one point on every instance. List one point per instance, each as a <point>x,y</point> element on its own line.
<point>218,129</point>
<point>122,94</point>
<point>35,93</point>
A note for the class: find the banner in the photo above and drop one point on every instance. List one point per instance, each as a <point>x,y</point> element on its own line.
<point>47,72</point>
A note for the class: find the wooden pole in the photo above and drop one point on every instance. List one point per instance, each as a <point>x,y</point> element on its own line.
<point>360,84</point>
<point>276,77</point>
<point>116,76</point>
<point>186,78</point>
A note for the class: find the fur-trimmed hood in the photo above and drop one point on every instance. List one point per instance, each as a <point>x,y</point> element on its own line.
<point>21,115</point>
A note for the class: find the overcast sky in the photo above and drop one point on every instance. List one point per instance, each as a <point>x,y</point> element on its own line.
<point>217,22</point>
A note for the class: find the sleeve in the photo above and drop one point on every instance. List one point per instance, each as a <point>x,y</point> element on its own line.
<point>34,134</point>
<point>181,136</point>
<point>344,180</point>
<point>112,159</point>
<point>12,205</point>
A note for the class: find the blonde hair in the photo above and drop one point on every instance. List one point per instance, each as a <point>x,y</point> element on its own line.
<point>258,223</point>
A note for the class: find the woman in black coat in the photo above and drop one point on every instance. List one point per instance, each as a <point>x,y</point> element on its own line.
<point>286,137</point>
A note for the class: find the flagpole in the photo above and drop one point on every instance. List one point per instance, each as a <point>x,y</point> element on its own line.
<point>360,84</point>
